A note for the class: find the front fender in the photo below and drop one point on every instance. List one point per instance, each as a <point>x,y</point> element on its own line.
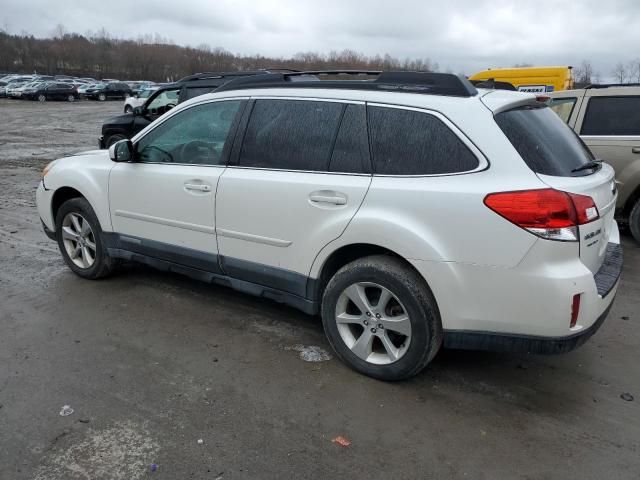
<point>89,175</point>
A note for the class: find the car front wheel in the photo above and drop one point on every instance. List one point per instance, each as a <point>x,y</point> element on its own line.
<point>71,98</point>
<point>102,97</point>
<point>381,318</point>
<point>42,97</point>
<point>80,240</point>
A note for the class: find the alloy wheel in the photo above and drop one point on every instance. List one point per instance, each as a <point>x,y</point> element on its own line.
<point>373,323</point>
<point>79,240</point>
<point>41,98</point>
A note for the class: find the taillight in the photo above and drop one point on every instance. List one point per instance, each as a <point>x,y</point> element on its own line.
<point>547,213</point>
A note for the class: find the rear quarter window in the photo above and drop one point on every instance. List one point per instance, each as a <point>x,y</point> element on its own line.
<point>545,143</point>
<point>407,142</point>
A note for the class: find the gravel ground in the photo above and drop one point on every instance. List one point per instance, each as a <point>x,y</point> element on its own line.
<point>201,382</point>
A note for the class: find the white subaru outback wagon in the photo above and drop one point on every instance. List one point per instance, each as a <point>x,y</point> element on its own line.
<point>410,210</point>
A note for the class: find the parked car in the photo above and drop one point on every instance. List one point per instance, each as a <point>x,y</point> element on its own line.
<point>82,90</point>
<point>161,101</point>
<point>607,118</point>
<point>53,91</point>
<point>417,212</point>
<point>109,91</point>
<point>138,99</point>
<point>13,86</point>
<point>27,87</point>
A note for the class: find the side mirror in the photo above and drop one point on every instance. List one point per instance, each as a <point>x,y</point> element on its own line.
<point>121,151</point>
<point>137,110</point>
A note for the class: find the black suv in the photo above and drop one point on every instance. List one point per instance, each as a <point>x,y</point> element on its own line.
<point>162,100</point>
<point>109,91</point>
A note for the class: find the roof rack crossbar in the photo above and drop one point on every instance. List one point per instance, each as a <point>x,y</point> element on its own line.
<point>410,82</point>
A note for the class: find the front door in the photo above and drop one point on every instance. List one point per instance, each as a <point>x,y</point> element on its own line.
<point>299,177</point>
<point>163,203</point>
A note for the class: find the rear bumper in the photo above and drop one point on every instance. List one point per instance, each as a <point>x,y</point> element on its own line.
<point>497,342</point>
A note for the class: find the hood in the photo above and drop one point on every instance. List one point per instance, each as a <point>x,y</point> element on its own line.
<point>121,120</point>
<point>88,153</point>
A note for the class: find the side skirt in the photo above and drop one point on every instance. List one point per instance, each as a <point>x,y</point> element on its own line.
<point>200,266</point>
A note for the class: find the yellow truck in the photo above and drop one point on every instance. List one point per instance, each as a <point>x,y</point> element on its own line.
<point>529,79</point>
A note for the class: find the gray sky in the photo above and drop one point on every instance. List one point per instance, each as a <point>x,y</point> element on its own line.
<point>461,35</point>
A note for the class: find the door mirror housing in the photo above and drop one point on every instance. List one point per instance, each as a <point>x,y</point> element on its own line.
<point>121,151</point>
<point>138,110</point>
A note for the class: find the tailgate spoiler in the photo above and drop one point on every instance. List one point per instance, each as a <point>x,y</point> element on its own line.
<point>501,100</point>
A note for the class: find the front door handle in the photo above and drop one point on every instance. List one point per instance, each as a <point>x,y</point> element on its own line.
<point>198,187</point>
<point>326,196</point>
<point>635,150</point>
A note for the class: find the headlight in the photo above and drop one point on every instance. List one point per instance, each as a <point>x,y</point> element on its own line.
<point>47,169</point>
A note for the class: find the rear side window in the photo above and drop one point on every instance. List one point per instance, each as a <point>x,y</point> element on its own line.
<point>546,144</point>
<point>196,92</point>
<point>406,142</point>
<point>290,134</point>
<point>612,116</point>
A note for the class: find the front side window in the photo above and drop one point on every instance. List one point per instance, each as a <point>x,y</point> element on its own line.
<point>291,134</point>
<point>406,142</point>
<point>563,107</point>
<point>163,101</point>
<point>195,136</point>
<point>612,116</point>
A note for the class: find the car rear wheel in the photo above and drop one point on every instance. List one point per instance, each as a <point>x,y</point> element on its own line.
<point>80,240</point>
<point>102,97</point>
<point>634,221</point>
<point>381,318</point>
<point>42,97</point>
<point>71,98</point>
<point>128,109</point>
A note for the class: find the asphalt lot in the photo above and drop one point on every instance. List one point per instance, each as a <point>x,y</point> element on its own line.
<point>153,362</point>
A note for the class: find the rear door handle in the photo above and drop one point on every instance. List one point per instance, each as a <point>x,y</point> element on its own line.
<point>324,196</point>
<point>635,149</point>
<point>198,187</point>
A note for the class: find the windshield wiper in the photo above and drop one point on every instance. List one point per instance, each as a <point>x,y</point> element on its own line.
<point>593,164</point>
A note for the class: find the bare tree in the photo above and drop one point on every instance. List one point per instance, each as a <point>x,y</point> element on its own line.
<point>583,73</point>
<point>620,72</point>
<point>633,70</point>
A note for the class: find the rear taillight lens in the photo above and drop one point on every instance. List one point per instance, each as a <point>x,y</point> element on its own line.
<point>547,213</point>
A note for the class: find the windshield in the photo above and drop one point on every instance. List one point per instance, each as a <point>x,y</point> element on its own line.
<point>145,93</point>
<point>546,144</point>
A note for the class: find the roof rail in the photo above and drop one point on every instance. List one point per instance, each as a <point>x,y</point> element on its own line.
<point>408,82</point>
<point>607,85</point>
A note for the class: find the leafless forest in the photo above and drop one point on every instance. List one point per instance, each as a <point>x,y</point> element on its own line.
<point>155,58</point>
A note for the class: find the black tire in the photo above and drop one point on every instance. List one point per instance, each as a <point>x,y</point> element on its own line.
<point>128,109</point>
<point>113,139</point>
<point>103,263</point>
<point>417,299</point>
<point>634,221</point>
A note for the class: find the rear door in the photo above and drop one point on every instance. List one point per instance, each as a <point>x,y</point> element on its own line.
<point>610,125</point>
<point>559,158</point>
<point>297,178</point>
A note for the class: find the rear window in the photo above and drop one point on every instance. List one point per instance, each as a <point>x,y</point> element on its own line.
<point>612,116</point>
<point>546,144</point>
